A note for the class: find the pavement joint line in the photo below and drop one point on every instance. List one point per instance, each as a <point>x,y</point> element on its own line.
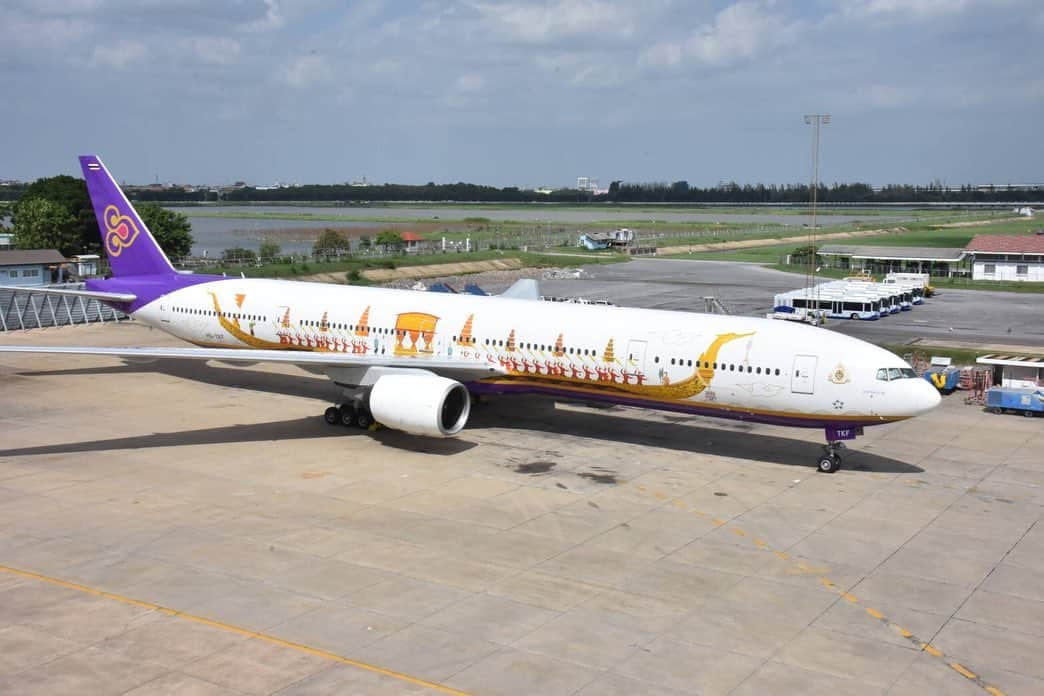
<point>264,637</point>
<point>830,585</point>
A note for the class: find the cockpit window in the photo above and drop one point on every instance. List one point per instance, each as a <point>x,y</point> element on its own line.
<point>887,374</point>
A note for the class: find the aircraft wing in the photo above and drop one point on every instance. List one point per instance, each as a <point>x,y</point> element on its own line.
<point>306,359</point>
<point>88,294</point>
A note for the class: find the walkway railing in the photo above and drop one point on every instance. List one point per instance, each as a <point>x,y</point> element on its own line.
<point>25,309</point>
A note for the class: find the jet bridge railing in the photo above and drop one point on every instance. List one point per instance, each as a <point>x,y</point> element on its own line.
<point>24,309</point>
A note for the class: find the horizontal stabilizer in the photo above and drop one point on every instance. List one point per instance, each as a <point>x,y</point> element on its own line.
<point>87,294</point>
<point>306,359</point>
<point>523,289</point>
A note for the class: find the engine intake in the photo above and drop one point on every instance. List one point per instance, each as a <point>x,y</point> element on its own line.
<point>420,404</point>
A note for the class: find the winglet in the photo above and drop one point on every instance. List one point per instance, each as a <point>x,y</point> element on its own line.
<point>523,289</point>
<point>131,248</point>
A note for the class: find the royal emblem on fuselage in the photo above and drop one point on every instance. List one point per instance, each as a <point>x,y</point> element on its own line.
<point>120,231</point>
<point>839,375</point>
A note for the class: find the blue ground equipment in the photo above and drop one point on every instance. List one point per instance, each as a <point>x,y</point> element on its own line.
<point>1028,402</point>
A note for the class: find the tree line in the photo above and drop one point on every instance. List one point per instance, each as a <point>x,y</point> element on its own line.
<point>56,213</point>
<point>618,192</point>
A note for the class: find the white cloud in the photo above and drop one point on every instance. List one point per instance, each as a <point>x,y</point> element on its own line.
<point>118,55</point>
<point>740,32</point>
<point>904,9</point>
<point>303,71</point>
<point>42,36</point>
<point>546,22</point>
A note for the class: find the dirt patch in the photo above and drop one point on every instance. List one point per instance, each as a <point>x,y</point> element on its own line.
<point>440,269</point>
<point>769,241</point>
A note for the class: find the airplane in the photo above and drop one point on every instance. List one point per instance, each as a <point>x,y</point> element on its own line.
<point>412,361</point>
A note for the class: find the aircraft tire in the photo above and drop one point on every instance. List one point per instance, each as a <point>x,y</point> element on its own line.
<point>332,415</point>
<point>346,415</point>
<point>828,464</point>
<point>363,419</point>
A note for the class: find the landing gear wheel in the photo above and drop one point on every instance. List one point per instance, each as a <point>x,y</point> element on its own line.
<point>828,464</point>
<point>332,415</point>
<point>363,419</point>
<point>346,415</point>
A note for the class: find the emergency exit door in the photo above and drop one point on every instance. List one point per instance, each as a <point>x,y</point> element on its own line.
<point>802,379</point>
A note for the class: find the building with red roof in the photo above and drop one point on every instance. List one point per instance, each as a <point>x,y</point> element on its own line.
<point>1007,257</point>
<point>412,241</point>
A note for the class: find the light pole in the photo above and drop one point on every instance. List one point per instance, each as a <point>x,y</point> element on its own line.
<point>816,121</point>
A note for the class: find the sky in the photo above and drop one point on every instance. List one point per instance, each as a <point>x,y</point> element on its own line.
<point>519,93</point>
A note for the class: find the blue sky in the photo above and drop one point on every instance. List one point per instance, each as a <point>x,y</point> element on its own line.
<point>523,93</point>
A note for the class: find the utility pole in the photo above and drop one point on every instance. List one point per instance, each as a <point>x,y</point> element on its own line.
<point>816,121</point>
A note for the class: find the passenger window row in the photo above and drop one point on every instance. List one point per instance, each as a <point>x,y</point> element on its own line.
<point>730,367</point>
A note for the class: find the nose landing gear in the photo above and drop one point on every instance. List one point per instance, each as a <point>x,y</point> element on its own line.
<point>830,461</point>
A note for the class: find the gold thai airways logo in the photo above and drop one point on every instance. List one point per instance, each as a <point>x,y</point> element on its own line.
<point>120,231</point>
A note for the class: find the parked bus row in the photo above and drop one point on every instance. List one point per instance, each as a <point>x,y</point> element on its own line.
<point>850,299</point>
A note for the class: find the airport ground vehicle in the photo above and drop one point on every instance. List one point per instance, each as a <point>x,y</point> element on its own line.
<point>1028,402</point>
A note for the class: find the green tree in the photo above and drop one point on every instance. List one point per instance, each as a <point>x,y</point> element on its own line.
<point>389,238</point>
<point>71,194</point>
<point>331,243</point>
<point>172,230</point>
<point>40,223</point>
<point>5,212</point>
<point>269,250</point>
<point>238,255</point>
<point>364,241</point>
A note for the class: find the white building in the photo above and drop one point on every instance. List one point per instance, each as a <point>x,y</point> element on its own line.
<point>1007,257</point>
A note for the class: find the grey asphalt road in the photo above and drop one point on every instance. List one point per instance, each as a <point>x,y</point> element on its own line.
<point>748,289</point>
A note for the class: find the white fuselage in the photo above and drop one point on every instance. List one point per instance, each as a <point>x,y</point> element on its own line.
<point>736,367</point>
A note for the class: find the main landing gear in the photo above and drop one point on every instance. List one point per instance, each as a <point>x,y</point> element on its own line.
<point>830,461</point>
<point>349,414</point>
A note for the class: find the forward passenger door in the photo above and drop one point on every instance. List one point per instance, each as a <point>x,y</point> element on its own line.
<point>802,379</point>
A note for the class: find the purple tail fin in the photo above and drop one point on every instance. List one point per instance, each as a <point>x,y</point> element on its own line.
<point>131,247</point>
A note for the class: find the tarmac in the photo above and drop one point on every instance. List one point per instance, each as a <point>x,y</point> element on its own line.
<point>189,528</point>
<point>979,316</point>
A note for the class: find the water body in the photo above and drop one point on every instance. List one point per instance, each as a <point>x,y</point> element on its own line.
<point>215,234</point>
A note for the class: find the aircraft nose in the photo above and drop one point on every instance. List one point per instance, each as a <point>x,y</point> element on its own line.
<point>925,397</point>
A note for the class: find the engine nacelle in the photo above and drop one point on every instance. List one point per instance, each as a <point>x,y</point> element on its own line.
<point>420,404</point>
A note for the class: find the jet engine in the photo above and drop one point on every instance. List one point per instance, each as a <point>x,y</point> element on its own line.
<point>420,404</point>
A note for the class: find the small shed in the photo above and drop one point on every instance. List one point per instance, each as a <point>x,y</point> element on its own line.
<point>30,267</point>
<point>1015,371</point>
<point>412,241</point>
<point>86,265</point>
<point>594,241</point>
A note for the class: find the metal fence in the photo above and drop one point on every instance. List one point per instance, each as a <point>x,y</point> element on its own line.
<point>25,309</point>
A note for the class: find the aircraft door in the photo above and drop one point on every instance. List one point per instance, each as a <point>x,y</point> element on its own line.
<point>802,380</point>
<point>636,356</point>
